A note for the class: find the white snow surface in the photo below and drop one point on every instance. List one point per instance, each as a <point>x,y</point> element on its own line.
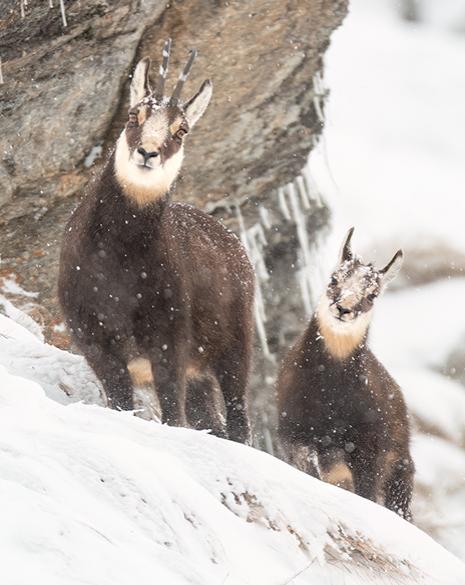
<point>95,496</point>
<point>64,376</point>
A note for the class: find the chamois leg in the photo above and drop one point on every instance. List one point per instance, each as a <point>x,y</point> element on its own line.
<point>169,382</point>
<point>112,371</point>
<point>232,372</point>
<point>334,469</point>
<point>202,408</point>
<point>365,474</point>
<point>399,486</point>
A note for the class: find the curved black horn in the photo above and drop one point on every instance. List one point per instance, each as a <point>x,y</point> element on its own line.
<point>398,257</point>
<point>163,70</point>
<point>346,249</point>
<point>182,78</point>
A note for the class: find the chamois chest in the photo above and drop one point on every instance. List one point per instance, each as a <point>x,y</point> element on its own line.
<point>118,268</point>
<point>346,386</point>
<point>321,394</point>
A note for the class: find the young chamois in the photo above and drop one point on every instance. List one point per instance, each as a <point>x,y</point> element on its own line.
<point>342,417</point>
<point>155,291</point>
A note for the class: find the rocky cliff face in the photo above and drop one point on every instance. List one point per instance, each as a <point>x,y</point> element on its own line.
<point>64,99</point>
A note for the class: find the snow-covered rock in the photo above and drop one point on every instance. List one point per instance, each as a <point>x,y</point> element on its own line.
<point>90,495</point>
<point>64,376</point>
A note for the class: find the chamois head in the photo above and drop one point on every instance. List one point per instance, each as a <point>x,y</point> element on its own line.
<point>149,151</point>
<point>348,301</point>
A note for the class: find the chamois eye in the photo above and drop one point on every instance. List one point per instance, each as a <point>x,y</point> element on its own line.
<point>178,135</point>
<point>133,120</point>
<point>371,297</point>
<point>333,280</point>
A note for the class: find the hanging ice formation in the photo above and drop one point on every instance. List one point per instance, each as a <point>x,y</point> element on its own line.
<point>295,201</point>
<point>319,95</point>
<point>254,241</point>
<point>23,4</point>
<point>300,199</point>
<point>63,12</point>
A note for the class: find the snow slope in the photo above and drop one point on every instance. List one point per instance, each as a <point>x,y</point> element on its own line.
<point>64,376</point>
<point>95,496</point>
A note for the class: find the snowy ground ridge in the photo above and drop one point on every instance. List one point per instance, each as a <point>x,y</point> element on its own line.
<point>94,496</point>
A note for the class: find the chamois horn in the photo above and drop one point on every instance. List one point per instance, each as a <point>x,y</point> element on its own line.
<point>163,69</point>
<point>182,78</point>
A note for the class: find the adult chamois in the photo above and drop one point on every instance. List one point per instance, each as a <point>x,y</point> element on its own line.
<point>153,290</point>
<point>342,417</point>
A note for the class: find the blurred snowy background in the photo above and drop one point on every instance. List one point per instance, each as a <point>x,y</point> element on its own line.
<point>391,162</point>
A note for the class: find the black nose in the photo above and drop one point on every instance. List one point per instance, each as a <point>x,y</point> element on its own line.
<point>146,154</point>
<point>342,310</point>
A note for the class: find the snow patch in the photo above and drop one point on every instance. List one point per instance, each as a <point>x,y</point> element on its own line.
<point>145,503</point>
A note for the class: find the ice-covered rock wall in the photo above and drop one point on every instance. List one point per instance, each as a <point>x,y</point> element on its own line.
<point>64,100</point>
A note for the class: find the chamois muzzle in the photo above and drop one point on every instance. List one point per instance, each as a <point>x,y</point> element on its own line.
<point>343,311</point>
<point>147,156</point>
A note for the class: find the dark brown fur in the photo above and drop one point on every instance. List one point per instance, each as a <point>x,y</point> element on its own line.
<point>346,411</point>
<point>164,281</point>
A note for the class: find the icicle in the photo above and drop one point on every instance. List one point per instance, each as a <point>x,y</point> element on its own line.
<point>264,217</point>
<point>312,188</point>
<point>318,109</point>
<point>318,94</point>
<point>21,7</point>
<point>63,13</point>
<point>50,3</point>
<point>304,276</point>
<point>299,219</point>
<point>306,187</point>
<point>297,200</point>
<point>257,241</point>
<point>260,324</point>
<point>249,240</point>
<point>283,204</point>
<point>1,72</point>
<point>301,189</point>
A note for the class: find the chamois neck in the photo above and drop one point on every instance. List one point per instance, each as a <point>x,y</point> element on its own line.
<point>340,341</point>
<point>113,209</point>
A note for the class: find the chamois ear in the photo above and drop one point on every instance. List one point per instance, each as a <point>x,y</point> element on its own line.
<point>196,106</point>
<point>346,249</point>
<point>392,268</point>
<point>140,85</point>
